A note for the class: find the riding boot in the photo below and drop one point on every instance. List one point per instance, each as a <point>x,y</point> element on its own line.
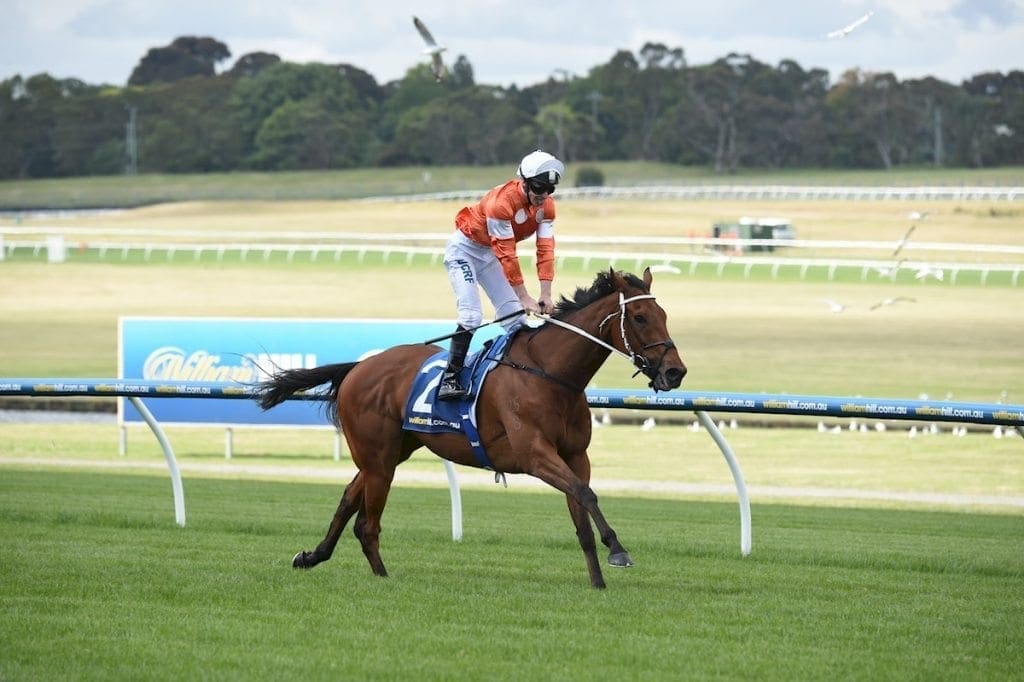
<point>451,386</point>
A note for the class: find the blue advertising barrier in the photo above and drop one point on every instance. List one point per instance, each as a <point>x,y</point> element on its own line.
<point>705,401</point>
<point>241,351</point>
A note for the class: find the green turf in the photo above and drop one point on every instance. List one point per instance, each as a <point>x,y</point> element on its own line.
<point>98,583</point>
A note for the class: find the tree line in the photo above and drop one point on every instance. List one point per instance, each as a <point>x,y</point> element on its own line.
<point>178,115</point>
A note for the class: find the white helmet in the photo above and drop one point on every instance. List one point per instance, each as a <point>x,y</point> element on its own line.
<point>542,166</point>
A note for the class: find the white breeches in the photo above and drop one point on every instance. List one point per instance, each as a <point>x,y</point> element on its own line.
<point>471,265</point>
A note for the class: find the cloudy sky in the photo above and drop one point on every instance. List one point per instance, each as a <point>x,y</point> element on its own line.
<point>522,42</point>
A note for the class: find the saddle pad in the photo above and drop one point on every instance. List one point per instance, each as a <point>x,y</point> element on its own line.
<point>426,414</point>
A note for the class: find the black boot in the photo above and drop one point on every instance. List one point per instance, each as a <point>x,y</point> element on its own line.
<point>451,387</point>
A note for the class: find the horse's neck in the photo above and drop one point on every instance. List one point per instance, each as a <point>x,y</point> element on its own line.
<point>571,356</point>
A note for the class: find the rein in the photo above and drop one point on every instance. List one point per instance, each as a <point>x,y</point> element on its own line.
<point>639,361</point>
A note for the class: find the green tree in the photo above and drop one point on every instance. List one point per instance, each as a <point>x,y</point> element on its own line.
<point>187,126</point>
<point>310,135</point>
<point>187,56</point>
<point>255,101</point>
<point>877,113</point>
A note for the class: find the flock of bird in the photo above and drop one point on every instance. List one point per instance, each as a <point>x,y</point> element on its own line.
<point>437,66</point>
<point>923,272</point>
<point>434,49</point>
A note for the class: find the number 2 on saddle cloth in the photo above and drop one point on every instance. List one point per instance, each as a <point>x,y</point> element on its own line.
<point>425,414</point>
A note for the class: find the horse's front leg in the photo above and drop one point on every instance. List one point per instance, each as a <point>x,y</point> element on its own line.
<point>582,501</point>
<point>585,534</point>
<point>579,464</point>
<point>351,501</point>
<point>618,556</point>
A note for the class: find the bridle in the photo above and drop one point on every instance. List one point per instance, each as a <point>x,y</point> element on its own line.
<point>638,360</point>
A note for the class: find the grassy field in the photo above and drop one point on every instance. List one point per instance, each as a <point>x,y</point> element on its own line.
<point>99,584</point>
<point>903,559</point>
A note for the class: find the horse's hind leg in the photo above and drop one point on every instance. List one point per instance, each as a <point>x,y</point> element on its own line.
<point>351,502</point>
<point>367,526</point>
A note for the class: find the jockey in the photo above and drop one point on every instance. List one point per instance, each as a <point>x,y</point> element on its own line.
<point>482,253</point>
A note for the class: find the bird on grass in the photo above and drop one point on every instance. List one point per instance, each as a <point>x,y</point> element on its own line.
<point>665,267</point>
<point>845,30</point>
<point>433,49</point>
<point>926,271</point>
<point>891,301</point>
<point>835,306</point>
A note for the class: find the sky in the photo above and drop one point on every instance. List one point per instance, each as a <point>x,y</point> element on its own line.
<point>521,43</point>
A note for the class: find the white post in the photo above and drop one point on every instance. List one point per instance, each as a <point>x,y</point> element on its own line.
<point>172,463</point>
<point>737,475</point>
<point>229,443</point>
<point>122,445</point>
<point>56,252</point>
<point>456,495</point>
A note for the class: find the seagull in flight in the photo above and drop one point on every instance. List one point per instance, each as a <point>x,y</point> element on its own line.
<point>891,301</point>
<point>842,32</point>
<point>433,49</point>
<point>906,238</point>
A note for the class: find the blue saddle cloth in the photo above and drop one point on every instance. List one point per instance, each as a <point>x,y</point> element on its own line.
<point>426,414</point>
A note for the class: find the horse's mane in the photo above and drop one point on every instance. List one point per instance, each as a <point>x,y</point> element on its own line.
<point>601,287</point>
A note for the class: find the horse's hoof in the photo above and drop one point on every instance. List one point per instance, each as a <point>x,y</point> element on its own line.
<point>620,560</point>
<point>299,560</point>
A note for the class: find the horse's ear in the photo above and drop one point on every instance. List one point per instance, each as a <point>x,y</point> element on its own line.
<point>616,279</point>
<point>648,278</point>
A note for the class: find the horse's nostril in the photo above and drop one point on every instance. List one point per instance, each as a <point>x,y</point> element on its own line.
<point>675,375</point>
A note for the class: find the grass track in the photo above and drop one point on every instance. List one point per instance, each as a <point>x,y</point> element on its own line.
<point>103,577</point>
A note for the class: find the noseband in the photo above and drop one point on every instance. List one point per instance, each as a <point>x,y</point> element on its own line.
<point>639,361</point>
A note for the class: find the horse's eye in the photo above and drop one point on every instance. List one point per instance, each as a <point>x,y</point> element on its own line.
<point>640,319</point>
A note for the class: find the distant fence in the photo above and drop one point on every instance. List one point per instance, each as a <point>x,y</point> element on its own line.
<point>747,192</point>
<point>688,254</point>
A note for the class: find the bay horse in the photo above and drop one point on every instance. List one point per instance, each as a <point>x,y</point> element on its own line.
<point>532,413</point>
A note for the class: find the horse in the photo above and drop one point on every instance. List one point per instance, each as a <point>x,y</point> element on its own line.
<point>532,413</point>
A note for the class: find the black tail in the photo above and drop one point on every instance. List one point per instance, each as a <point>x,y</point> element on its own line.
<point>286,383</point>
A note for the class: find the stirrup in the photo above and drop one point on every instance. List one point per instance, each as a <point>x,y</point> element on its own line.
<point>450,388</point>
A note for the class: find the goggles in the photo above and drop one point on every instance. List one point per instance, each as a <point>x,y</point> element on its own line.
<point>540,187</point>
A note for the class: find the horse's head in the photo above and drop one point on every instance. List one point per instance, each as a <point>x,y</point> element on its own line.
<point>639,329</point>
<point>633,324</point>
<point>620,313</point>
